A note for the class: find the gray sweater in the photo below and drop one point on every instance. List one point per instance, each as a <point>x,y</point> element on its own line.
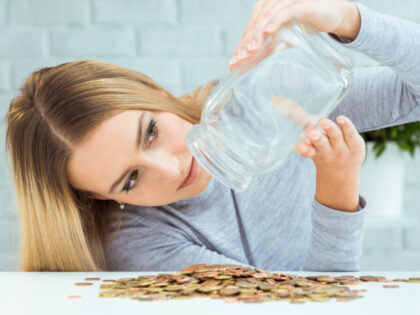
<point>277,224</point>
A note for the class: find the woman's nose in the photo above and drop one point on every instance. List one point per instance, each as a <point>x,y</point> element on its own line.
<point>165,165</point>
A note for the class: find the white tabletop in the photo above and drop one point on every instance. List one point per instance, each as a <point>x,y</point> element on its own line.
<point>47,293</point>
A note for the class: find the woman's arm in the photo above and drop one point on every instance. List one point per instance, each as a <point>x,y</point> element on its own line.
<point>143,246</point>
<point>336,239</point>
<point>387,95</point>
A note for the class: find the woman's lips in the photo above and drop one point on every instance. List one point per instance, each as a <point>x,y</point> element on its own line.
<point>193,171</point>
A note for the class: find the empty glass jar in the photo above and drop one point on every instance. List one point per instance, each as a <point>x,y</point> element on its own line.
<point>253,118</point>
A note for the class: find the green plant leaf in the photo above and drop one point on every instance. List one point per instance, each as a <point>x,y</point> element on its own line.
<point>407,138</point>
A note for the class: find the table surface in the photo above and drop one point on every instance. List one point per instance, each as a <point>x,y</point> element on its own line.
<point>47,293</point>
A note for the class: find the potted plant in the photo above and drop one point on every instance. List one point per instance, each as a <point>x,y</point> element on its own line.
<point>382,172</point>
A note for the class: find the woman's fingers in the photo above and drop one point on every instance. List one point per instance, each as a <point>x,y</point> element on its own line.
<point>350,134</point>
<point>305,149</point>
<point>339,17</point>
<point>253,20</point>
<point>335,136</point>
<point>332,141</point>
<point>242,50</point>
<point>319,141</point>
<point>259,26</point>
<point>323,139</point>
<point>305,120</point>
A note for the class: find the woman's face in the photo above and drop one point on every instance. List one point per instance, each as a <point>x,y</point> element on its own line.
<point>151,173</point>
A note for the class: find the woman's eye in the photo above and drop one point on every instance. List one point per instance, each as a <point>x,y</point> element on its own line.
<point>151,131</point>
<point>132,179</point>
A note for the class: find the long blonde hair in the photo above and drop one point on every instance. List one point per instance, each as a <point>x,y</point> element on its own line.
<point>61,228</point>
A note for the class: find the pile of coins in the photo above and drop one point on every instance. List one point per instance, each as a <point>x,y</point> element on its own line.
<point>234,283</point>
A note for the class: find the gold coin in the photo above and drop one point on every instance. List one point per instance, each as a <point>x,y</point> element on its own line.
<point>344,299</point>
<point>106,286</point>
<point>83,283</point>
<point>173,287</point>
<point>234,283</point>
<point>109,293</point>
<point>229,291</point>
<point>368,278</point>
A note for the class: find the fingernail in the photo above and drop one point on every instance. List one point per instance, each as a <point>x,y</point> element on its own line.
<point>252,45</point>
<point>314,136</point>
<point>269,27</point>
<point>233,60</point>
<point>303,150</point>
<point>325,126</point>
<point>242,53</point>
<point>341,120</point>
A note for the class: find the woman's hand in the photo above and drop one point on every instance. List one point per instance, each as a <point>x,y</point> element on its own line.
<point>337,152</point>
<point>333,16</point>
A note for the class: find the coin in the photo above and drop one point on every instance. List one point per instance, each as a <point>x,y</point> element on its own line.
<point>92,279</point>
<point>229,291</point>
<point>385,280</point>
<point>108,294</point>
<point>368,278</point>
<point>344,299</point>
<point>83,283</point>
<point>235,283</point>
<point>74,297</point>
<point>413,280</point>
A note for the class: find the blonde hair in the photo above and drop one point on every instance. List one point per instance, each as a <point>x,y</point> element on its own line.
<point>61,228</point>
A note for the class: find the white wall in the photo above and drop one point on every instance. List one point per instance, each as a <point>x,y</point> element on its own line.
<point>179,43</point>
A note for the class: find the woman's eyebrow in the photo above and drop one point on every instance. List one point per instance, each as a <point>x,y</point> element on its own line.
<point>138,143</point>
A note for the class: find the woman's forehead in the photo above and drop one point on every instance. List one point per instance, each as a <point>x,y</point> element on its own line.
<point>94,162</point>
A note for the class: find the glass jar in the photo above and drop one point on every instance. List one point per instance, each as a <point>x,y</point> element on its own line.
<point>254,117</point>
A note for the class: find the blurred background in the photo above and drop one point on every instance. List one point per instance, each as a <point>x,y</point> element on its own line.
<point>182,44</point>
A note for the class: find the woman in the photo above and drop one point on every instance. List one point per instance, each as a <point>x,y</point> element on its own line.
<point>85,135</point>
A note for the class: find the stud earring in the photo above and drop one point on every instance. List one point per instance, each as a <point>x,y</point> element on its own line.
<point>122,205</point>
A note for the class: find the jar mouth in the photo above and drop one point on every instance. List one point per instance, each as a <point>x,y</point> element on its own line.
<point>209,151</point>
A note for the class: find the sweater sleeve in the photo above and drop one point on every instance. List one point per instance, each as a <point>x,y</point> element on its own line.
<point>386,95</point>
<point>336,238</point>
<point>140,246</point>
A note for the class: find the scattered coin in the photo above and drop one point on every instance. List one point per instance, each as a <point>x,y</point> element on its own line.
<point>234,283</point>
<point>83,283</point>
<point>413,280</point>
<point>74,297</point>
<point>344,299</point>
<point>368,278</point>
<point>385,280</point>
